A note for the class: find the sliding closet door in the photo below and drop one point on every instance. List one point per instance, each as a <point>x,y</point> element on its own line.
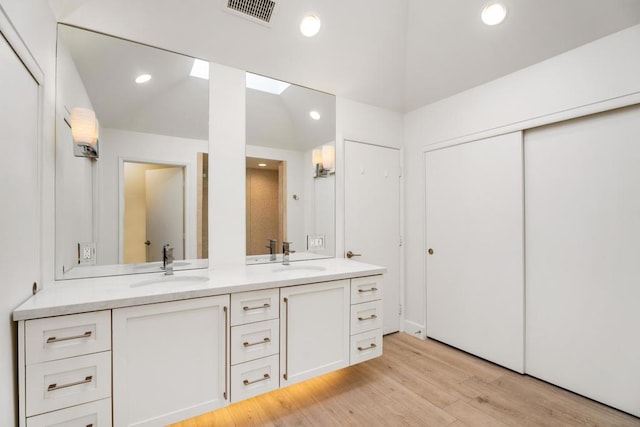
<point>474,235</point>
<point>583,256</point>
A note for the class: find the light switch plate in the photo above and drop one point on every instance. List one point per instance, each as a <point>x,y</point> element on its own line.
<point>87,253</point>
<point>315,242</point>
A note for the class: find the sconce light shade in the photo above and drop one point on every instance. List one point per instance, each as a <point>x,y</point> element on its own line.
<point>316,156</point>
<point>324,160</point>
<point>328,157</point>
<point>84,130</point>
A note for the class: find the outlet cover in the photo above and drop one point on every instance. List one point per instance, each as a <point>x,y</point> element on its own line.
<point>87,253</point>
<point>315,242</point>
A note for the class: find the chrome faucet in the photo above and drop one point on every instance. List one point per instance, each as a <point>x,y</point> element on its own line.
<point>167,259</point>
<point>286,251</point>
<point>272,249</point>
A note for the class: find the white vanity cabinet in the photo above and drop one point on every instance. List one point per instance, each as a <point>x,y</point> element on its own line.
<point>170,360</point>
<point>65,362</point>
<point>254,343</point>
<point>314,330</point>
<point>366,319</point>
<point>150,359</point>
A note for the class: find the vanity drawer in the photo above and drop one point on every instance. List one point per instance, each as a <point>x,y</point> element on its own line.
<point>366,316</point>
<point>253,378</point>
<point>254,306</point>
<point>62,383</point>
<point>254,340</point>
<point>94,414</point>
<point>67,336</point>
<point>365,346</point>
<point>365,289</point>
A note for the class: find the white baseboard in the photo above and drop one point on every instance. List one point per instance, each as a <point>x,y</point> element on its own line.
<point>415,329</point>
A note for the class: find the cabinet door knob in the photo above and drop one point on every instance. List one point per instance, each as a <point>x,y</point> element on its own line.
<point>430,251</point>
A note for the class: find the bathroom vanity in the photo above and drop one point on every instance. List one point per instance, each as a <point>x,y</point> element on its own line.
<point>153,349</point>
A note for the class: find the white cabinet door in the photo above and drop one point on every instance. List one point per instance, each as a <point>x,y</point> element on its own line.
<point>170,360</point>
<point>20,225</point>
<point>314,330</point>
<point>583,256</point>
<point>474,241</point>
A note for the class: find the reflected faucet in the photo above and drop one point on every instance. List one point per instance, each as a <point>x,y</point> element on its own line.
<point>272,249</point>
<point>167,259</point>
<point>286,252</point>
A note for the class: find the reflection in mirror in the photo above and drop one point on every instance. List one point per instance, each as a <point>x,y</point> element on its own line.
<point>144,184</point>
<point>290,181</point>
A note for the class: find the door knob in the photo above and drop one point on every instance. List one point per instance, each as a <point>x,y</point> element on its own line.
<point>430,251</point>
<point>351,254</point>
<point>147,243</point>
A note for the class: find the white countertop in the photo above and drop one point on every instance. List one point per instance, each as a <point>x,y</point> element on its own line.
<point>103,293</point>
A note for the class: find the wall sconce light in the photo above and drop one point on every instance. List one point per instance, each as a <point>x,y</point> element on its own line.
<point>84,130</point>
<point>324,160</point>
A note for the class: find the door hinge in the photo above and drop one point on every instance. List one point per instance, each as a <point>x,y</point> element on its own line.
<point>401,242</point>
<point>399,309</point>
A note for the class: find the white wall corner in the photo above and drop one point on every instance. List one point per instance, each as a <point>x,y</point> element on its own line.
<point>414,329</point>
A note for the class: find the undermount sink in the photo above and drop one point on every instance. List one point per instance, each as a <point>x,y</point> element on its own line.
<point>172,280</point>
<point>309,268</point>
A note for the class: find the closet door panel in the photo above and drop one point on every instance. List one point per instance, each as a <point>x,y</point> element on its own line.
<point>583,256</point>
<point>474,229</point>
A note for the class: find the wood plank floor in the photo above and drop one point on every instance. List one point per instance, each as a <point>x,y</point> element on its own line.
<point>418,383</point>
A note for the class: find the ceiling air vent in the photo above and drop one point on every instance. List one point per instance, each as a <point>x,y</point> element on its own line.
<point>260,10</point>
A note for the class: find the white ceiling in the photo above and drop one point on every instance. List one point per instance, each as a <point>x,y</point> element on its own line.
<point>398,54</point>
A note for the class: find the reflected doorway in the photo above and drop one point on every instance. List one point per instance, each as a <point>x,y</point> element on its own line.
<point>266,205</point>
<point>153,211</point>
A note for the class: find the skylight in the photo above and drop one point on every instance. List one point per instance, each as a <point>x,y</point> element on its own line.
<point>200,69</point>
<point>265,84</point>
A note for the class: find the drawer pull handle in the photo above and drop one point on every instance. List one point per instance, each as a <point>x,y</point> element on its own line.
<point>367,348</point>
<point>75,337</point>
<point>373,316</point>
<point>248,344</point>
<point>362,291</point>
<point>264,378</point>
<point>54,386</point>
<point>266,305</point>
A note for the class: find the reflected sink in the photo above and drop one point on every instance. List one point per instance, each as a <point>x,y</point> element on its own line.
<point>172,280</point>
<point>308,268</point>
<point>158,265</point>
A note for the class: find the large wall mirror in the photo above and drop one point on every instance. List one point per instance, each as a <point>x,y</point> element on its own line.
<point>139,180</point>
<point>290,166</point>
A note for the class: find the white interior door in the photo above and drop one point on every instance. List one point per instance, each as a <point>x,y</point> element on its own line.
<point>372,217</point>
<point>19,207</point>
<point>474,235</point>
<point>583,256</point>
<point>165,211</point>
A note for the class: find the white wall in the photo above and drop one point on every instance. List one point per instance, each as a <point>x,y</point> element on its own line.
<point>74,175</point>
<point>601,74</point>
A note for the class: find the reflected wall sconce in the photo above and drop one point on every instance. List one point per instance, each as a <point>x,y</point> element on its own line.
<point>324,160</point>
<point>84,130</point>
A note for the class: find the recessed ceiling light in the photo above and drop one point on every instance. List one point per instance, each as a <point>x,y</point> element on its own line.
<point>310,25</point>
<point>262,165</point>
<point>493,13</point>
<point>314,115</point>
<point>200,69</point>
<point>265,84</point>
<point>143,78</point>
